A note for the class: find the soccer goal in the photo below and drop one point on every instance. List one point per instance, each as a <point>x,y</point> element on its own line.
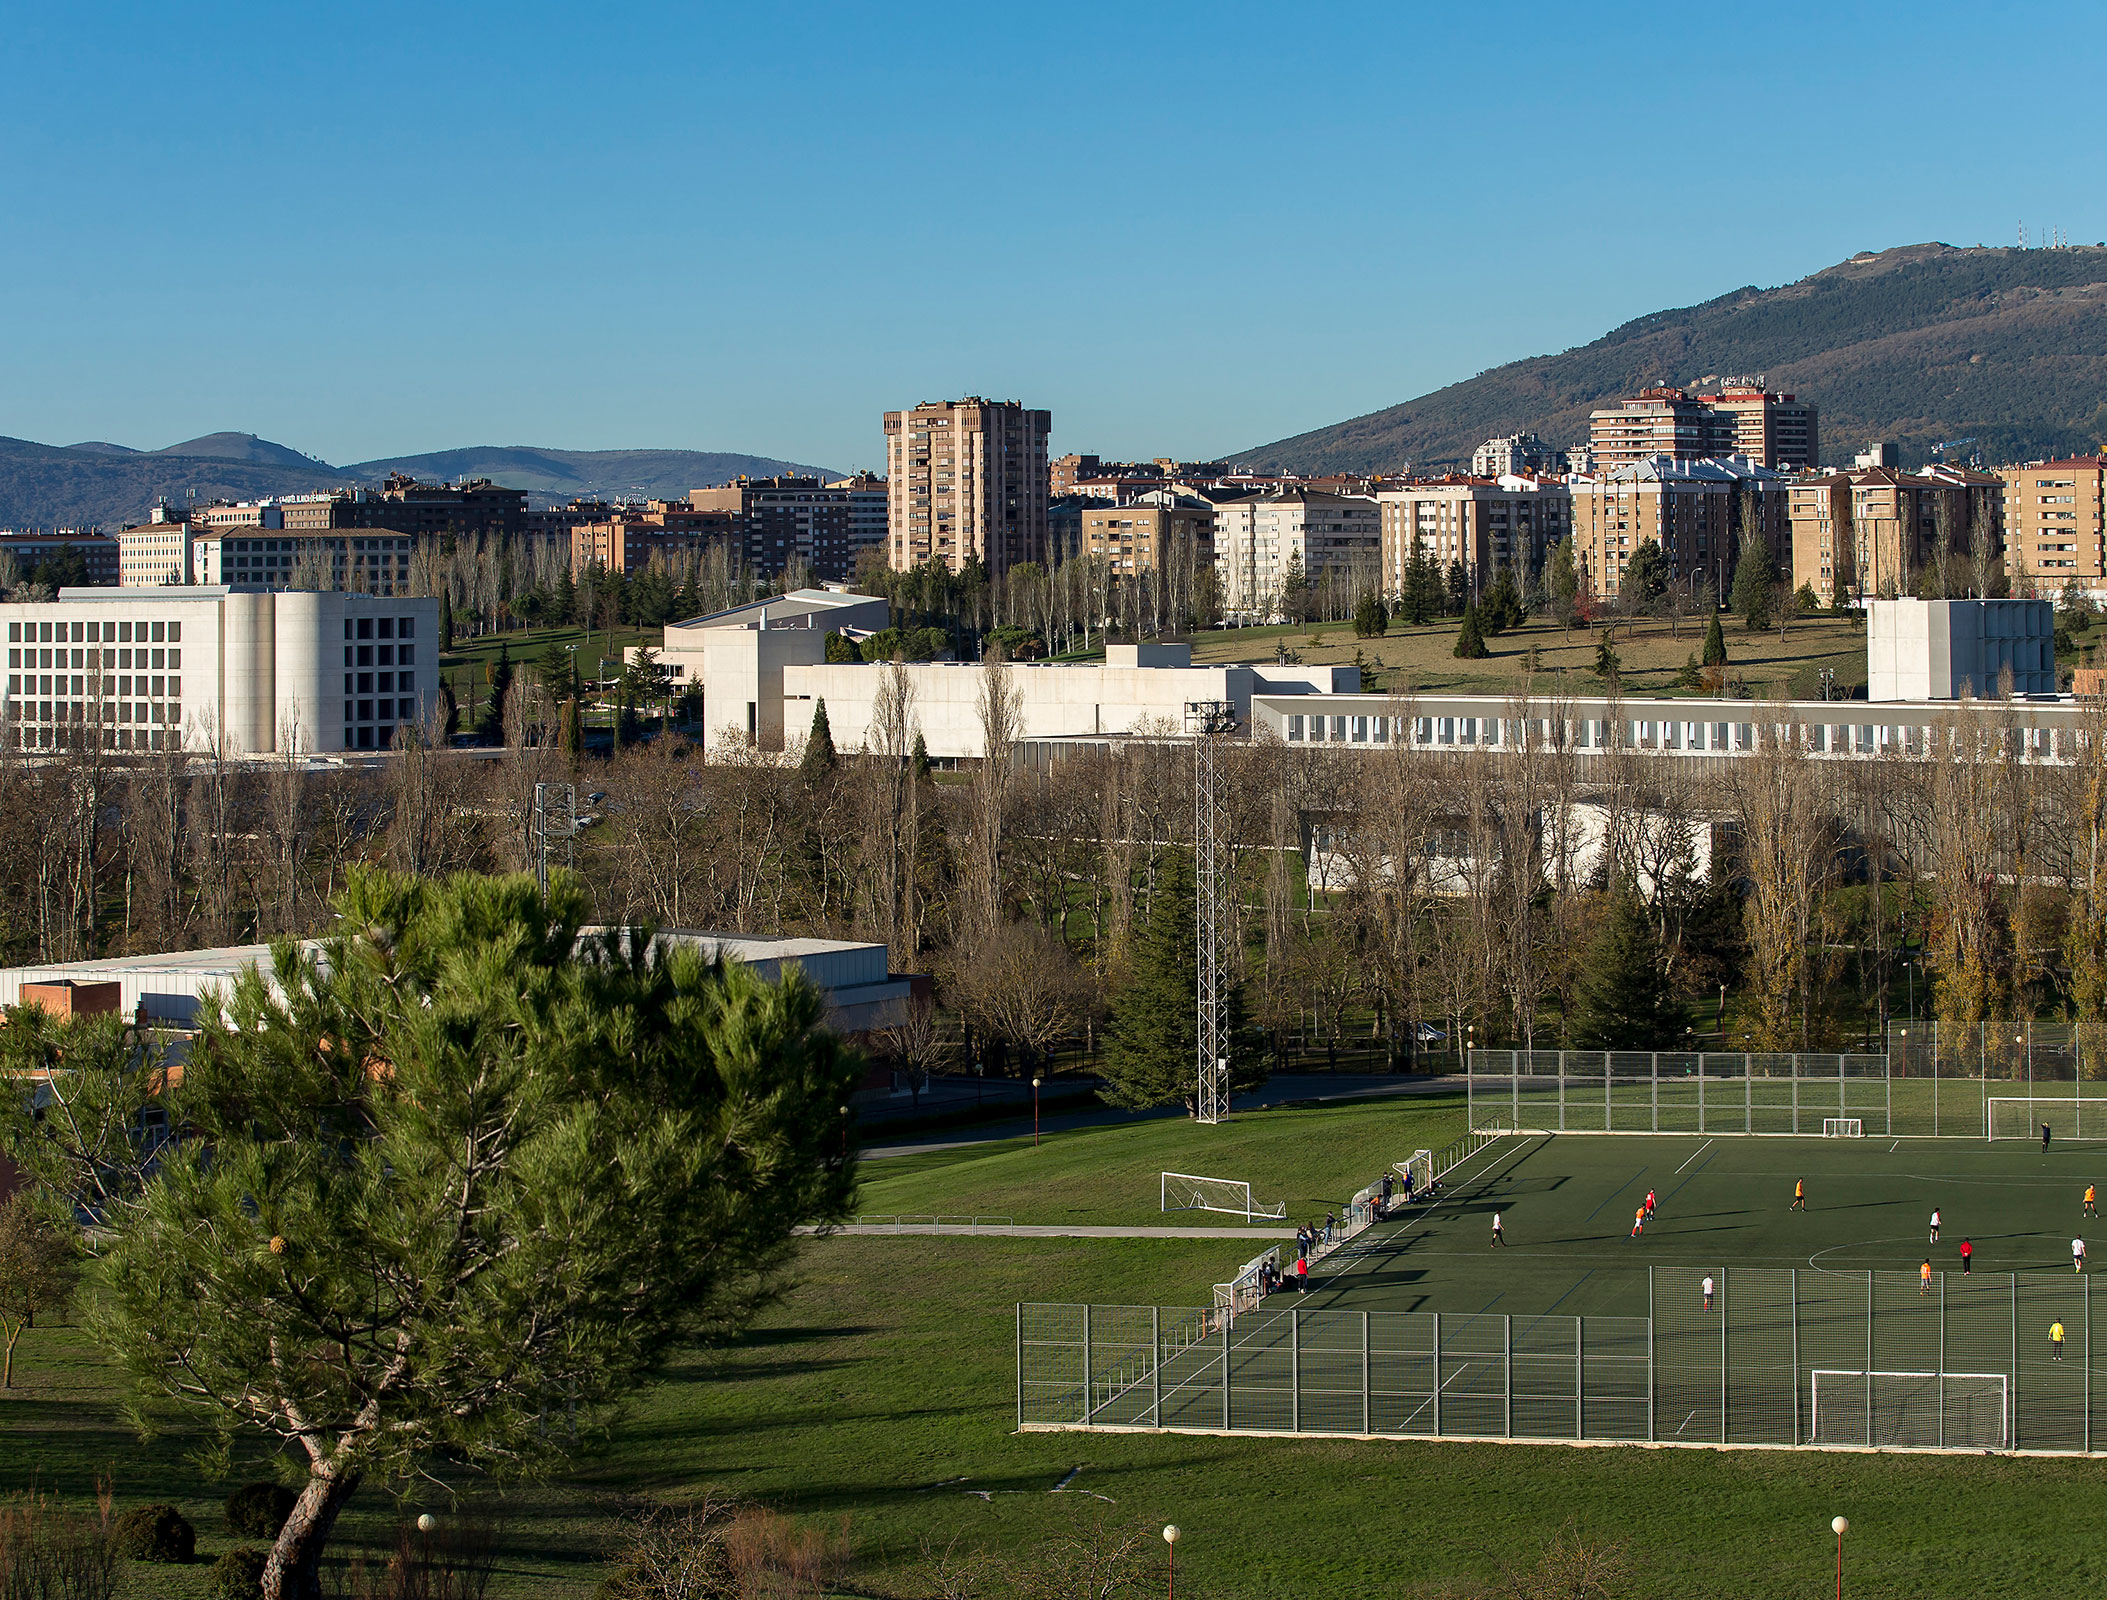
<point>2066,1118</point>
<point>1419,1167</point>
<point>1920,1410</point>
<point>1843,1128</point>
<point>1185,1191</point>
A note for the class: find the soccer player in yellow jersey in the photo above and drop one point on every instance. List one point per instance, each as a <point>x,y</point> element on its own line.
<point>1799,1195</point>
<point>2091,1195</point>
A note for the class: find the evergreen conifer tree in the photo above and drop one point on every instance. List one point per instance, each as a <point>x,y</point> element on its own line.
<point>1607,662</point>
<point>1503,608</point>
<point>446,618</point>
<point>919,758</point>
<point>1715,642</point>
<point>1565,583</point>
<point>1152,1044</point>
<point>1624,1002</point>
<point>1755,579</point>
<point>819,758</point>
<point>1371,618</point>
<point>1470,640</point>
<point>1459,588</point>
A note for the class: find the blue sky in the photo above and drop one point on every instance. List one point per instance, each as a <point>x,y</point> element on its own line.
<point>1185,229</point>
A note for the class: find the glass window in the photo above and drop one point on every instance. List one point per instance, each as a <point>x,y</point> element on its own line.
<point>1295,729</point>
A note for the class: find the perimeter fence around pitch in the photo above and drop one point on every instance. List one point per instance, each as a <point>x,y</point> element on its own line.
<point>1782,1358</point>
<point>1913,1090</point>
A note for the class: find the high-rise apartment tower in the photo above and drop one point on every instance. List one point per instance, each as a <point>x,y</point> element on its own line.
<point>966,480</point>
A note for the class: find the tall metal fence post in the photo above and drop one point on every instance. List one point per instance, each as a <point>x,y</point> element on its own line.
<point>1020,1364</point>
<point>1437,1374</point>
<point>1795,1102</point>
<point>1514,1079</point>
<point>1934,1083</point>
<point>1580,1377</point>
<point>1225,1375</point>
<point>2088,1364</point>
<point>2012,1429</point>
<point>1507,1340</point>
<point>1726,1302</point>
<point>1653,1385</point>
<point>1156,1365</point>
<point>1869,1353</point>
<point>1700,1102</point>
<point>1561,1091</point>
<point>1887,1081</point>
<point>1089,1396</point>
<point>1367,1377</point>
<point>1608,1094</point>
<point>1295,1371</point>
<point>1748,1099</point>
<point>1942,1361</point>
<point>1470,1097</point>
<point>1797,1436</point>
<point>1657,1089</point>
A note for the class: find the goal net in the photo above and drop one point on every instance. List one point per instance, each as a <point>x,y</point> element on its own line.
<point>2067,1119</point>
<point>1843,1128</point>
<point>1419,1167</point>
<point>1921,1410</point>
<point>1186,1191</point>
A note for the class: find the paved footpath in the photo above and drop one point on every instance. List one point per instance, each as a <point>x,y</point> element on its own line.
<point>1027,1230</point>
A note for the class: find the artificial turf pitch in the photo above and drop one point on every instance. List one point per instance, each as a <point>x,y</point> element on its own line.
<point>1566,1204</point>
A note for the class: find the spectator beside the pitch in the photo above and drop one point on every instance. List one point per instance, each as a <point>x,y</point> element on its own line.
<point>1331,1226</point>
<point>1386,1194</point>
<point>1967,1257</point>
<point>1302,1274</point>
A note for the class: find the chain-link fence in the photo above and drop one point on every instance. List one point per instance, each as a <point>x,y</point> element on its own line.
<point>1769,1356</point>
<point>1920,1088</point>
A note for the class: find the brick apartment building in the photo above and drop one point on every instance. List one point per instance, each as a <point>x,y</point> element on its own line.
<point>2056,531</point>
<point>1489,525</point>
<point>1695,511</point>
<point>1149,534</point>
<point>967,481</point>
<point>1870,532</point>
<point>1777,431</point>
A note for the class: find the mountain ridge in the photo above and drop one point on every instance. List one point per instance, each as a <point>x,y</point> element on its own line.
<point>100,484</point>
<point>1918,344</point>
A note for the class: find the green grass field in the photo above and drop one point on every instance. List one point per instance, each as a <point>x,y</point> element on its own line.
<point>881,1388</point>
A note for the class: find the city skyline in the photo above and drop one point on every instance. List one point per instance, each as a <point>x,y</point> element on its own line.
<point>421,231</point>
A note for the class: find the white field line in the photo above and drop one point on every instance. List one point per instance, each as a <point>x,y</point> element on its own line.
<point>1700,1150</point>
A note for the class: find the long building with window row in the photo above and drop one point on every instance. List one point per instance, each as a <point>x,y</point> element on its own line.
<point>209,667</point>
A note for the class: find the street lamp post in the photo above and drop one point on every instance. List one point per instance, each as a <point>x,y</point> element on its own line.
<point>1170,1537</point>
<point>1840,1526</point>
<point>1036,1081</point>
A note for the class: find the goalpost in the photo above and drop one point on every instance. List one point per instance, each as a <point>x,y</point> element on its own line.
<point>2016,1118</point>
<point>1419,1167</point>
<point>1923,1410</point>
<point>1843,1128</point>
<point>1186,1191</point>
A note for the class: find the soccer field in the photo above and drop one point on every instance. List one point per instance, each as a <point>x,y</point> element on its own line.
<point>1566,1205</point>
<point>1731,1319</point>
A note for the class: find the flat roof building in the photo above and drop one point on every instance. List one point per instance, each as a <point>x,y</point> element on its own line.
<point>204,667</point>
<point>966,481</point>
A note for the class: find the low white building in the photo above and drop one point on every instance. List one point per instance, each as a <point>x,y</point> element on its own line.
<point>168,989</point>
<point>1137,688</point>
<point>158,668</point>
<point>1950,649</point>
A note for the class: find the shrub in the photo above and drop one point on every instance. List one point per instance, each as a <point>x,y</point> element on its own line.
<point>48,1550</point>
<point>259,1510</point>
<point>156,1533</point>
<point>238,1575</point>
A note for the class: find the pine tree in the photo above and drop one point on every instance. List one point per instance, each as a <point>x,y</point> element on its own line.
<point>919,758</point>
<point>573,728</point>
<point>1371,618</point>
<point>1715,642</point>
<point>1607,662</point>
<point>1470,641</point>
<point>819,759</point>
<point>1295,591</point>
<point>446,618</point>
<point>1459,588</point>
<point>1503,607</point>
<point>1755,579</point>
<point>566,601</point>
<point>1153,1039</point>
<point>1565,583</point>
<point>1624,1001</point>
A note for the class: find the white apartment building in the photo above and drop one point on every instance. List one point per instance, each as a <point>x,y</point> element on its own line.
<point>194,666</point>
<point>1518,452</point>
<point>1258,541</point>
<point>154,553</point>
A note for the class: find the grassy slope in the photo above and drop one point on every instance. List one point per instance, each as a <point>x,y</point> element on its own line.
<point>1421,658</point>
<point>888,1370</point>
<point>1314,1158</point>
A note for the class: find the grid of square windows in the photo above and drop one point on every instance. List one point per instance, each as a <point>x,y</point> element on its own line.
<point>73,683</point>
<point>378,694</point>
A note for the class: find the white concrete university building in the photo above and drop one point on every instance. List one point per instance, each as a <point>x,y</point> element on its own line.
<point>167,667</point>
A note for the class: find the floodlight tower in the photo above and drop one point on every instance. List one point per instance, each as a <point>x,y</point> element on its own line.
<point>555,826</point>
<point>1214,907</point>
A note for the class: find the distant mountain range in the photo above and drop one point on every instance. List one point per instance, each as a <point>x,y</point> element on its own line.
<point>1923,344</point>
<point>101,484</point>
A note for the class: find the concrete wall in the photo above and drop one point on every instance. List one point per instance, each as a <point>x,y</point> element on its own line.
<point>1920,650</point>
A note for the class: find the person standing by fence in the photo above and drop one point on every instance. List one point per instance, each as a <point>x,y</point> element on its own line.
<point>1967,1258</point>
